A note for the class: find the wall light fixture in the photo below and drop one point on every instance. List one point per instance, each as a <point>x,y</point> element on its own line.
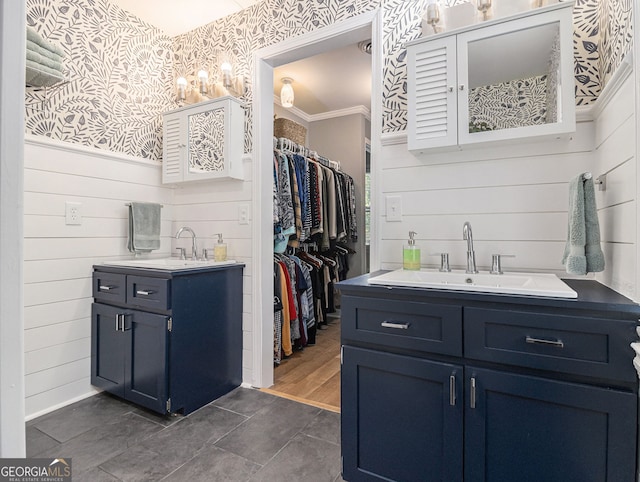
<point>286,93</point>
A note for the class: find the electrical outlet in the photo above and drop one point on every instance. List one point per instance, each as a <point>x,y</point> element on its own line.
<point>73,213</point>
<point>243,214</point>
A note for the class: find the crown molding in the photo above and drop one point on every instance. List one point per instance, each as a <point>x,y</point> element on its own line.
<point>358,109</point>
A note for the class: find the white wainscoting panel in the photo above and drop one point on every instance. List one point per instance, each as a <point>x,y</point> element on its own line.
<point>515,197</point>
<point>614,156</point>
<point>211,208</point>
<point>58,258</point>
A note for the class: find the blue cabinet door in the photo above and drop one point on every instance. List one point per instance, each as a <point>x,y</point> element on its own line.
<point>107,349</point>
<point>129,355</point>
<point>401,418</point>
<point>528,429</point>
<point>145,364</point>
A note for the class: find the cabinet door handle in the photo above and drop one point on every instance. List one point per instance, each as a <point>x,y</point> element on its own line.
<point>452,390</point>
<point>119,322</point>
<point>541,341</point>
<point>106,288</point>
<point>144,292</point>
<point>461,87</point>
<point>123,319</point>
<point>472,401</point>
<point>397,326</point>
<point>451,88</point>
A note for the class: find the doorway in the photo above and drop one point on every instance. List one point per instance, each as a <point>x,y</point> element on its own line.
<point>350,31</point>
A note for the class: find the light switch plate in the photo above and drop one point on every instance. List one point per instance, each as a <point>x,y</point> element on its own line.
<point>394,208</point>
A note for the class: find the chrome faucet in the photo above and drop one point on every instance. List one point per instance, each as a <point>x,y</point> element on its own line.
<point>471,254</point>
<point>194,243</point>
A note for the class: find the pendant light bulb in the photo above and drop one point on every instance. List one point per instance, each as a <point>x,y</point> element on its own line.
<point>286,94</point>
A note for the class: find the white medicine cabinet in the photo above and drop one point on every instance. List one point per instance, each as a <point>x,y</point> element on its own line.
<point>203,141</point>
<point>505,79</point>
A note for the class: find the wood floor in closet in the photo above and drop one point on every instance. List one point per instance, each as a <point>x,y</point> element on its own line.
<point>312,375</point>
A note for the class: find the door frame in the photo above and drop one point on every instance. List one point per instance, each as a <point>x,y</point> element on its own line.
<point>12,390</point>
<point>264,61</point>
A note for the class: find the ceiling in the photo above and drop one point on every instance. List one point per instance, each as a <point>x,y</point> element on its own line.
<point>331,81</point>
<point>174,17</point>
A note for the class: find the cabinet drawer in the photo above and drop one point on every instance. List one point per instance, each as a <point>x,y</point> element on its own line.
<point>148,292</point>
<point>109,287</point>
<point>431,328</point>
<point>583,346</point>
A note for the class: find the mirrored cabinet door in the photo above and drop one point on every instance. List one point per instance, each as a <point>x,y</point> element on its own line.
<point>206,141</point>
<point>516,79</point>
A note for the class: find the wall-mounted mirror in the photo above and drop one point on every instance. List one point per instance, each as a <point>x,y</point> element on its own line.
<point>513,79</point>
<point>206,141</point>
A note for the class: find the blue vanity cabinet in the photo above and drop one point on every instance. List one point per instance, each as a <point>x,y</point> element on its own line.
<point>444,386</point>
<point>401,417</point>
<point>170,341</point>
<point>528,428</point>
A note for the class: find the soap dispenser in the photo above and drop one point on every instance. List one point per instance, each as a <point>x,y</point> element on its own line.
<point>411,254</point>
<point>220,250</point>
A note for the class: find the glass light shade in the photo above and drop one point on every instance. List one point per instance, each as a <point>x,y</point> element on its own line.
<point>226,69</point>
<point>181,83</point>
<point>286,94</point>
<point>203,77</point>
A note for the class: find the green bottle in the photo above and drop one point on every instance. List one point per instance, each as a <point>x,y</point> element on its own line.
<point>411,254</point>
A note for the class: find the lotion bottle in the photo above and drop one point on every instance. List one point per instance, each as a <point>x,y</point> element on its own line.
<point>220,250</point>
<point>411,254</point>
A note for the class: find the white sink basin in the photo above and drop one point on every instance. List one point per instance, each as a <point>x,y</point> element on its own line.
<point>533,284</point>
<point>168,263</point>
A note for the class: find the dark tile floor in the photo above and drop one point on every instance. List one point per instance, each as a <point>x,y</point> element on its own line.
<point>246,435</point>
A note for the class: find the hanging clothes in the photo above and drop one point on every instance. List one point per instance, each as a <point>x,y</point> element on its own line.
<point>314,205</point>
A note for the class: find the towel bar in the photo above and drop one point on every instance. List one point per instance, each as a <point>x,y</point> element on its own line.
<point>601,181</point>
<point>129,204</point>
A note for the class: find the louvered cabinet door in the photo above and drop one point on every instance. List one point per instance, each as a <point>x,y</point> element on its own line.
<point>432,93</point>
<point>174,148</point>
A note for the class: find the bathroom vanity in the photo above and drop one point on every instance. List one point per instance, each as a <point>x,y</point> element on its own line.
<point>167,339</point>
<point>439,385</point>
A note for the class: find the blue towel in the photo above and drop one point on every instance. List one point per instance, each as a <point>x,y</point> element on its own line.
<point>144,227</point>
<point>44,52</point>
<point>36,38</point>
<point>43,60</point>
<point>582,253</point>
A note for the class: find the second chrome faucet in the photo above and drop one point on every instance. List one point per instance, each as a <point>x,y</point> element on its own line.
<point>471,254</point>
<point>194,243</point>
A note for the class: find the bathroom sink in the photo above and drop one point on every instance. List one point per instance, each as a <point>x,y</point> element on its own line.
<point>168,263</point>
<point>532,284</point>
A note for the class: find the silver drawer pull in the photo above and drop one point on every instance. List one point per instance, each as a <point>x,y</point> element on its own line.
<point>106,288</point>
<point>397,326</point>
<point>540,341</point>
<point>144,292</point>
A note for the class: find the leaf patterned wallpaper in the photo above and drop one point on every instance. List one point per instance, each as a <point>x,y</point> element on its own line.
<point>122,70</point>
<point>119,72</point>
